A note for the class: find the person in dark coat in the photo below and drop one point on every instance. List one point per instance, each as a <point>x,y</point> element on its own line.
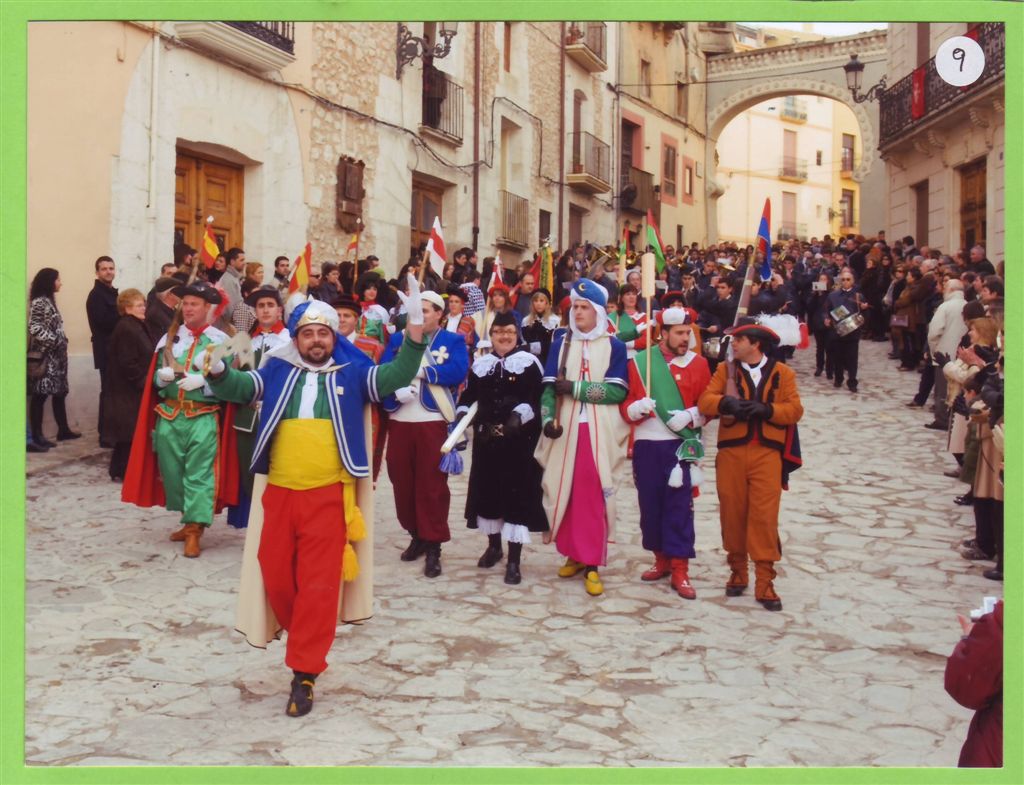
<point>504,499</point>
<point>817,311</point>
<point>101,310</point>
<point>47,336</point>
<point>974,679</point>
<point>130,351</point>
<point>160,312</point>
<point>845,349</point>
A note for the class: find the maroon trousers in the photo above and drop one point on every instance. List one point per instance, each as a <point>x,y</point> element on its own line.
<point>422,497</point>
<point>300,557</point>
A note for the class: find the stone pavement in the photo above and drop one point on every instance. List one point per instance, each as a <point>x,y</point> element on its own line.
<point>132,659</point>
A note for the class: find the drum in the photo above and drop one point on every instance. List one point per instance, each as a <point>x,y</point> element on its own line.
<point>850,324</point>
<point>712,347</point>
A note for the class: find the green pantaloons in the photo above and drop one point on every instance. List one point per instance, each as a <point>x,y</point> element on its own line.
<point>186,448</point>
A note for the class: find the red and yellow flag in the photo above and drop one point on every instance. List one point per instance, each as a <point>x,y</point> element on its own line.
<point>303,267</point>
<point>353,245</point>
<point>208,248</point>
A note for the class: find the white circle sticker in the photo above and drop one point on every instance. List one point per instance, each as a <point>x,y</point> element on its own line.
<point>960,61</point>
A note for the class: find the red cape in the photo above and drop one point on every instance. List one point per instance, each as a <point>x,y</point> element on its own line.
<point>143,485</point>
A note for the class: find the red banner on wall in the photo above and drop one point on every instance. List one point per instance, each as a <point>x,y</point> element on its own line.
<point>917,107</point>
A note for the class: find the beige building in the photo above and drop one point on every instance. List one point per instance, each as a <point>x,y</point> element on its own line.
<point>943,145</point>
<point>798,151</point>
<point>663,128</point>
<point>294,132</point>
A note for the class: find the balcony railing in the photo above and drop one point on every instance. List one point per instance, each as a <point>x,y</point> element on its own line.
<point>793,168</point>
<point>442,106</point>
<point>590,166</point>
<point>586,43</point>
<point>794,110</point>
<point>896,107</point>
<point>278,34</point>
<point>643,199</point>
<point>848,162</point>
<point>792,231</point>
<point>513,220</point>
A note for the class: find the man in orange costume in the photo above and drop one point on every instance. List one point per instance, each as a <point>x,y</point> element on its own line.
<point>755,438</point>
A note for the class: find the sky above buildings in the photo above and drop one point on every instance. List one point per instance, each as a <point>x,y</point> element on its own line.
<point>827,28</point>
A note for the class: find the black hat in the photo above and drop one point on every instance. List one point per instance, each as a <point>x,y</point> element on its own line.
<point>456,291</point>
<point>541,290</point>
<point>672,297</point>
<point>164,283</point>
<point>503,319</point>
<point>263,291</point>
<point>199,289</point>
<point>752,328</point>
<point>347,301</point>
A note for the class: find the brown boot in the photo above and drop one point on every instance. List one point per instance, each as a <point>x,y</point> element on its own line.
<point>738,578</point>
<point>179,536</point>
<point>681,579</point>
<point>764,588</point>
<point>660,569</point>
<point>193,531</point>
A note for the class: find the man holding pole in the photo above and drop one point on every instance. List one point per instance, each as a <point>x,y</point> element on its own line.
<point>584,438</point>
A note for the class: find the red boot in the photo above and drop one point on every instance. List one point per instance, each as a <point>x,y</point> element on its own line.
<point>660,569</point>
<point>681,579</point>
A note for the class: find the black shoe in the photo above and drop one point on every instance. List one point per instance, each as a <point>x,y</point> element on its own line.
<point>771,605</point>
<point>414,551</point>
<point>935,426</point>
<point>33,447</point>
<point>107,445</point>
<point>493,554</point>
<point>819,371</point>
<point>851,386</point>
<point>734,591</point>
<point>512,574</point>
<point>42,441</point>
<point>828,374</point>
<point>300,702</point>
<point>915,405</point>
<point>68,436</point>
<point>994,574</point>
<point>432,568</point>
<point>964,501</point>
<point>116,478</point>
<point>837,383</point>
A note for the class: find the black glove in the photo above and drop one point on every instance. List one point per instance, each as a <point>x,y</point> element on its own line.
<point>756,410</point>
<point>941,358</point>
<point>960,406</point>
<point>730,405</point>
<point>563,387</point>
<point>552,431</point>
<point>513,425</point>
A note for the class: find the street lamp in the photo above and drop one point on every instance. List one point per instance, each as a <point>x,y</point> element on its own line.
<point>854,74</point>
<point>410,47</point>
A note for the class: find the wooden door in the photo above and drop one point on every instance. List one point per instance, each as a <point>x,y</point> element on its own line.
<point>203,187</point>
<point>426,206</point>
<point>973,222</point>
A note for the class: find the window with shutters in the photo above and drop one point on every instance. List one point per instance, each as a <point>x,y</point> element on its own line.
<point>668,172</point>
<point>349,208</point>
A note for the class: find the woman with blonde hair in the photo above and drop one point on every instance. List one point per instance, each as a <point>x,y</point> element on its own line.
<point>254,270</point>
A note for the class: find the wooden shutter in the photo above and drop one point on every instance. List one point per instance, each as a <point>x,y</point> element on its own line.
<point>350,193</point>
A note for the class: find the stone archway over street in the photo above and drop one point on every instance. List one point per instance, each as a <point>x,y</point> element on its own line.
<point>738,81</point>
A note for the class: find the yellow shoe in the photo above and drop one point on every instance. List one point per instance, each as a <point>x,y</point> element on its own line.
<point>570,568</point>
<point>592,583</point>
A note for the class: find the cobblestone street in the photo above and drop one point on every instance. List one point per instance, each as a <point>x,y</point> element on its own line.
<point>132,658</point>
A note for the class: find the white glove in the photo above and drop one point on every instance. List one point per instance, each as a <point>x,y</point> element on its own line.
<point>406,394</point>
<point>679,420</point>
<point>165,376</point>
<point>199,360</point>
<point>534,347</point>
<point>640,408</point>
<point>192,381</point>
<point>412,302</point>
<point>525,412</point>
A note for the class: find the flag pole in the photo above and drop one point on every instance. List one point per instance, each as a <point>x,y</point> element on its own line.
<point>647,289</point>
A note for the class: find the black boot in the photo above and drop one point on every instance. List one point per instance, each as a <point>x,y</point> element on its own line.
<point>493,553</point>
<point>301,700</point>
<point>512,574</point>
<point>414,551</point>
<point>433,566</point>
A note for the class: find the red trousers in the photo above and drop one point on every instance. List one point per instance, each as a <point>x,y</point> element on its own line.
<point>422,497</point>
<point>300,556</point>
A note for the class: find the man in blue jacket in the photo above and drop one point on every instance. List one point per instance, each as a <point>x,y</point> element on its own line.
<point>417,427</point>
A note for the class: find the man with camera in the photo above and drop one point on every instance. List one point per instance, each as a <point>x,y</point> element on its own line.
<point>843,304</point>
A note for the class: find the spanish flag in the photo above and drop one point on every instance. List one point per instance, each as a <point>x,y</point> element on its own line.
<point>353,245</point>
<point>208,248</point>
<point>303,267</point>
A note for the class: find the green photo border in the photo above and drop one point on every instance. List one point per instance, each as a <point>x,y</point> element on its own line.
<point>14,16</point>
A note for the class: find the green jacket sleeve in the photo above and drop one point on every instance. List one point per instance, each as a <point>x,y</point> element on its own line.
<point>233,385</point>
<point>547,404</point>
<point>402,370</point>
<point>599,392</point>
